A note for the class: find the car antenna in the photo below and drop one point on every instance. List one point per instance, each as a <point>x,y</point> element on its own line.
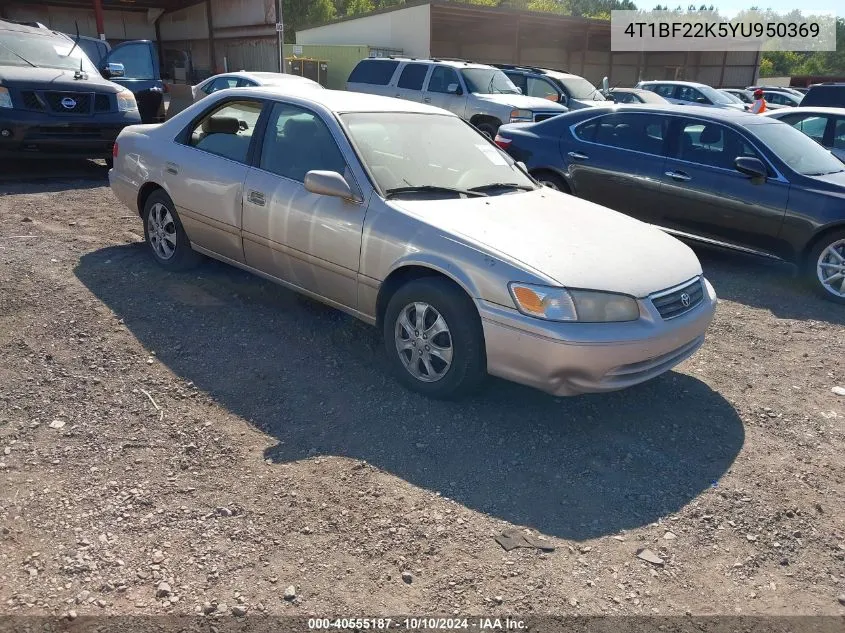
<point>79,74</point>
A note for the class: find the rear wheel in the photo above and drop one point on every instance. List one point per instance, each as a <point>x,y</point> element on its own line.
<point>826,267</point>
<point>165,234</point>
<point>433,339</point>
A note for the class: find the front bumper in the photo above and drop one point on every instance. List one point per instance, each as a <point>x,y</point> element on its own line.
<point>567,359</point>
<point>41,135</point>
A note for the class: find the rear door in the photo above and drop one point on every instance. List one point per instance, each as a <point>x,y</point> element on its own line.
<point>412,77</point>
<point>704,195</point>
<point>616,160</point>
<point>206,171</point>
<point>141,75</point>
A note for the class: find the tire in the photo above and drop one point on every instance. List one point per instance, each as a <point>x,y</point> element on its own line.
<point>464,336</point>
<point>827,258</point>
<point>488,129</point>
<point>551,180</point>
<point>163,226</point>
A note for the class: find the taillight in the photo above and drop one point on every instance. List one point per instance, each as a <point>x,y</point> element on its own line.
<point>502,142</point>
<point>114,150</point>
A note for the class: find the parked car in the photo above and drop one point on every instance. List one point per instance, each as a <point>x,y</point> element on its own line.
<point>787,89</point>
<point>480,94</point>
<point>634,95</point>
<point>555,85</point>
<point>408,218</point>
<point>711,175</point>
<point>690,93</point>
<point>831,95</point>
<point>243,79</point>
<point>782,98</point>
<point>53,101</point>
<point>744,96</point>
<point>826,126</point>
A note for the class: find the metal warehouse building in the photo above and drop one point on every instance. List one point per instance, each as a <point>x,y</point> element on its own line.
<point>438,28</point>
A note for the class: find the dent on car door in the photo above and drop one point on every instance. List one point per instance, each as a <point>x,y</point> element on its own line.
<point>705,195</point>
<point>205,171</point>
<point>616,160</point>
<point>309,240</point>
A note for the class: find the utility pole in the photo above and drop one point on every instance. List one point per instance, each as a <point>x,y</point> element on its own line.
<point>280,35</point>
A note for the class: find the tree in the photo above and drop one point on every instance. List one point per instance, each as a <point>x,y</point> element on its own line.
<point>547,6</point>
<point>299,13</point>
<point>355,7</point>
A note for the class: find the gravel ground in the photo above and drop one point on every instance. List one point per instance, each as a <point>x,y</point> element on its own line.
<point>209,442</point>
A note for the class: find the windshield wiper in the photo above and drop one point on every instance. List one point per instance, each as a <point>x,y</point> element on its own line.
<point>433,188</point>
<point>826,173</point>
<point>502,185</point>
<point>19,56</point>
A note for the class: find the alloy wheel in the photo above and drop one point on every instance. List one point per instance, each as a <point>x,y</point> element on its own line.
<point>162,231</point>
<point>423,342</point>
<point>830,268</point>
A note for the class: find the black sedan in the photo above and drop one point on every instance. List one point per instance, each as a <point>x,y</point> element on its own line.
<point>717,176</point>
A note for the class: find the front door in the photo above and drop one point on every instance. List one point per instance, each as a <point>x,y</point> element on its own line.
<point>441,90</point>
<point>704,195</point>
<point>141,75</point>
<point>616,160</point>
<point>206,171</point>
<point>309,240</point>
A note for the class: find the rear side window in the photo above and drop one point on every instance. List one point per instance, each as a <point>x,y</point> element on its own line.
<point>637,132</point>
<point>373,71</point>
<point>667,92</point>
<point>227,130</point>
<point>686,93</point>
<point>412,76</point>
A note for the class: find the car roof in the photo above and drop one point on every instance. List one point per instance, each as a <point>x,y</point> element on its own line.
<point>693,84</point>
<point>455,63</point>
<point>808,110</point>
<point>263,76</point>
<point>338,101</point>
<point>628,90</point>
<point>32,30</point>
<point>722,115</point>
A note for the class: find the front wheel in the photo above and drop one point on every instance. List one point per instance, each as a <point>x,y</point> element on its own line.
<point>826,267</point>
<point>433,339</point>
<point>488,129</point>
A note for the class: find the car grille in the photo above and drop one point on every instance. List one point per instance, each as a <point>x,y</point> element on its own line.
<point>542,116</point>
<point>82,102</point>
<point>31,101</point>
<point>680,300</point>
<point>102,103</point>
<point>66,132</point>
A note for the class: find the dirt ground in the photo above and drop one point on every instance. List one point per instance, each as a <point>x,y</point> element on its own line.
<point>209,442</point>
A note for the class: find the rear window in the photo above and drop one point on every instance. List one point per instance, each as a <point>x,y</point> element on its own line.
<point>373,71</point>
<point>826,96</point>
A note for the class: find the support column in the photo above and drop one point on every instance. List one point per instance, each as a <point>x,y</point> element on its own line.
<point>516,53</point>
<point>584,51</point>
<point>722,74</point>
<point>98,16</point>
<point>212,55</point>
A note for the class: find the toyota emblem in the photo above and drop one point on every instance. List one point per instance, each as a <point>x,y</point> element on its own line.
<point>68,103</point>
<point>685,299</point>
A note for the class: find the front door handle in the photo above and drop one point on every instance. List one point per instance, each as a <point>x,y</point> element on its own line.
<point>577,156</point>
<point>678,175</point>
<point>256,198</point>
<point>171,168</point>
<point>426,99</point>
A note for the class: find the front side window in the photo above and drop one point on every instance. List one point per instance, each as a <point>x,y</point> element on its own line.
<point>441,78</point>
<point>488,81</point>
<point>839,134</point>
<point>624,97</point>
<point>227,130</point>
<point>713,145</point>
<point>298,141</point>
<point>136,59</point>
<point>28,50</point>
<point>519,80</point>
<point>542,88</point>
<point>221,83</point>
<point>636,132</point>
<point>667,91</point>
<point>687,93</point>
<point>412,76</point>
<point>404,149</point>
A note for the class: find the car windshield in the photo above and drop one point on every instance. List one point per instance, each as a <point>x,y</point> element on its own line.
<point>488,81</point>
<point>650,97</point>
<point>732,97</point>
<point>801,153</point>
<point>24,49</point>
<point>715,96</point>
<point>431,150</point>
<point>580,88</point>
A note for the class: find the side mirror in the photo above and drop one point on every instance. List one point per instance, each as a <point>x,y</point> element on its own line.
<point>752,167</point>
<point>454,89</point>
<point>114,70</point>
<point>702,100</point>
<point>328,183</point>
<point>605,85</point>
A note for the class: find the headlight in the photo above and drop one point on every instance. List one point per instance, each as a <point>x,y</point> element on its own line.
<point>587,306</point>
<point>5,98</point>
<point>126,101</point>
<point>521,116</point>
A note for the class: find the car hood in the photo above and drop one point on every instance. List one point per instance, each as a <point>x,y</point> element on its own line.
<point>576,243</point>
<point>54,79</point>
<point>522,102</point>
<point>837,179</point>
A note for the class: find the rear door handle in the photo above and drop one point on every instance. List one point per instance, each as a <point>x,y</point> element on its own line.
<point>256,198</point>
<point>577,156</point>
<point>426,99</point>
<point>171,168</point>
<point>678,175</point>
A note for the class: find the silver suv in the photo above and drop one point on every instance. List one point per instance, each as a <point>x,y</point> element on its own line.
<point>480,94</point>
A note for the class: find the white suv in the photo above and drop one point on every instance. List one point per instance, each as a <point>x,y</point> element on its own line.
<point>480,94</point>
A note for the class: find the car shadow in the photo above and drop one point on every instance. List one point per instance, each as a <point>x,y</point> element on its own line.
<point>316,380</point>
<point>767,284</point>
<point>44,176</point>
